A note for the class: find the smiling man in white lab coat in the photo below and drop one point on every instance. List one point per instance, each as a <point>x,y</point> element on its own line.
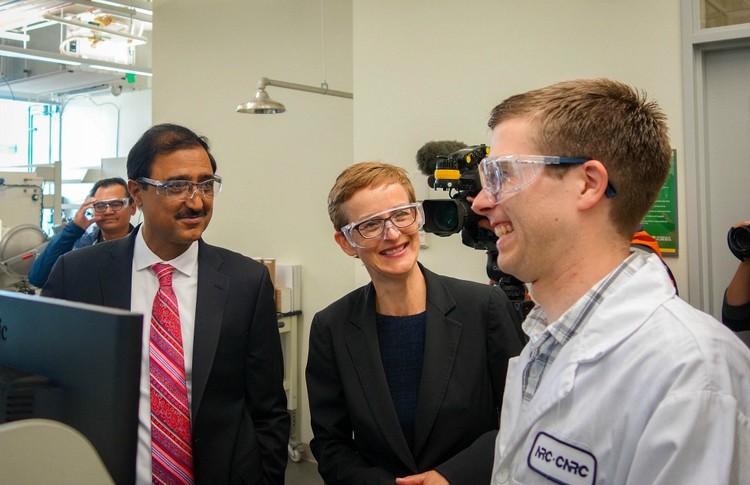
<point>621,382</point>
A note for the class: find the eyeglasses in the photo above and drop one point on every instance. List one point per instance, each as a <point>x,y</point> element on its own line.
<point>185,189</point>
<point>407,219</point>
<point>115,204</point>
<point>503,177</point>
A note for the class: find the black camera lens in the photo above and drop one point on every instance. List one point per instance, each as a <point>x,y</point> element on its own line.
<point>738,240</point>
<point>446,216</point>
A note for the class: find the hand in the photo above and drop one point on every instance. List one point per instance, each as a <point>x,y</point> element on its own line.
<point>80,218</point>
<point>427,478</point>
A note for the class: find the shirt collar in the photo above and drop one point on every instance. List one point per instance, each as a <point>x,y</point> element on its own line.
<point>186,263</point>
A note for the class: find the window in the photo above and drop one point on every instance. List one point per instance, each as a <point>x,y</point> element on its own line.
<point>719,13</point>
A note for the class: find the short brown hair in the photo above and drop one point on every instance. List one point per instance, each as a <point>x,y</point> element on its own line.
<point>359,176</point>
<point>605,120</point>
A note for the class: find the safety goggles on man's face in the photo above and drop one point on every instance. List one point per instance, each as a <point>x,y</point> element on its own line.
<point>115,204</point>
<point>503,177</point>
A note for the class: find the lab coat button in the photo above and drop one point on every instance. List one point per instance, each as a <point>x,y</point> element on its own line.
<point>502,475</point>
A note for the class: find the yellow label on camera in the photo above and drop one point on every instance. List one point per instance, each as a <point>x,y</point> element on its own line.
<point>447,174</point>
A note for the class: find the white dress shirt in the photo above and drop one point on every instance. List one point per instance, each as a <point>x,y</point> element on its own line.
<point>143,288</point>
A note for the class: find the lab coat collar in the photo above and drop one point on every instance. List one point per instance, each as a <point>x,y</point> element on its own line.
<point>614,319</point>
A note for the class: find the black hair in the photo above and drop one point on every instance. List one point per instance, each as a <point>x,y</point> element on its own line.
<point>109,183</point>
<point>162,139</point>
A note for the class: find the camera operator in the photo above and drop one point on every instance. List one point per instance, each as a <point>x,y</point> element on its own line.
<point>735,312</point>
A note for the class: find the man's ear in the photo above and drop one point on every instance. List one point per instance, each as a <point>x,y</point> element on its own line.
<point>135,192</point>
<point>595,179</point>
<point>340,239</point>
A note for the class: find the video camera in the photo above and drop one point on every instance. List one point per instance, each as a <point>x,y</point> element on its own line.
<point>458,174</point>
<point>738,240</point>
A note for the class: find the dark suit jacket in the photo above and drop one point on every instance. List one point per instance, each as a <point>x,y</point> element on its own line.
<point>238,410</point>
<point>472,331</point>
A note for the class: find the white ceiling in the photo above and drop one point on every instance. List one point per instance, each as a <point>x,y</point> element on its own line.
<point>18,16</point>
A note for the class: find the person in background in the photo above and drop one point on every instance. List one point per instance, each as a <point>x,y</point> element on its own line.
<point>735,311</point>
<point>622,381</point>
<point>112,209</point>
<point>213,406</point>
<point>646,242</point>
<point>404,375</point>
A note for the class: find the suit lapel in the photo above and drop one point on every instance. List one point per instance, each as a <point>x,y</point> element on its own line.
<point>441,345</point>
<point>213,289</point>
<point>364,352</point>
<point>116,272</point>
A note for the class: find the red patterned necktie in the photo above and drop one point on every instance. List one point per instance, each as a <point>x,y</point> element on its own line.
<point>171,445</point>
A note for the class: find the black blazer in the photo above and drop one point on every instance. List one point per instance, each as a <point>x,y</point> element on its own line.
<point>472,331</point>
<point>238,409</point>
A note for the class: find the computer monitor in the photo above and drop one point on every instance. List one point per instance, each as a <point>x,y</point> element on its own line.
<point>93,355</point>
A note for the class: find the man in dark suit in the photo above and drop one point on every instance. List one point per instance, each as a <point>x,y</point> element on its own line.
<point>238,422</point>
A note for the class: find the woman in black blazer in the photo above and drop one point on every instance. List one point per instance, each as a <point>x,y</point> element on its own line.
<point>405,375</point>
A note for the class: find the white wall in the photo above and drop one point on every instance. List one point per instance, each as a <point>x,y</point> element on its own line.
<point>435,69</point>
<point>278,169</point>
<point>421,70</point>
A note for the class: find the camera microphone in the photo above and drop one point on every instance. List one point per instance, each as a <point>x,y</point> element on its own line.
<point>432,152</point>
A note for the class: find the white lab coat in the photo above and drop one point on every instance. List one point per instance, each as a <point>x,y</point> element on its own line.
<point>650,391</point>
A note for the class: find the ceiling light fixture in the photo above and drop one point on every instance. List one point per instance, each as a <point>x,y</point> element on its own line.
<point>137,39</point>
<point>14,36</point>
<point>139,6</point>
<point>35,55</point>
<point>263,104</point>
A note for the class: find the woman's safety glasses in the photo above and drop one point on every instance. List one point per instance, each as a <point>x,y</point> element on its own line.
<point>407,219</point>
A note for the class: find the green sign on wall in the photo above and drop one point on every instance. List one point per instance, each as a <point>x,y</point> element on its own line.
<point>661,220</point>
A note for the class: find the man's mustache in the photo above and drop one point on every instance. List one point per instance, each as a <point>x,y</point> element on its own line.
<point>189,214</point>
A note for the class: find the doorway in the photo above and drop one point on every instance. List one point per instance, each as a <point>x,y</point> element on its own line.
<point>717,149</point>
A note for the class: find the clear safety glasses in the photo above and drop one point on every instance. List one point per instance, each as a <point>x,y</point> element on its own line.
<point>407,219</point>
<point>115,204</point>
<point>503,177</point>
<point>185,189</point>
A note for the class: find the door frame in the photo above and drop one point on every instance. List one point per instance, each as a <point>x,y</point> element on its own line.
<point>696,42</point>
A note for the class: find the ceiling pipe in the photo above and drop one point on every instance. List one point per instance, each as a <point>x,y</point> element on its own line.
<point>263,104</point>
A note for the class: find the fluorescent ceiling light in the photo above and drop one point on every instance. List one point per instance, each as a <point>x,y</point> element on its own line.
<point>35,55</point>
<point>14,36</point>
<point>139,6</point>
<point>111,66</point>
